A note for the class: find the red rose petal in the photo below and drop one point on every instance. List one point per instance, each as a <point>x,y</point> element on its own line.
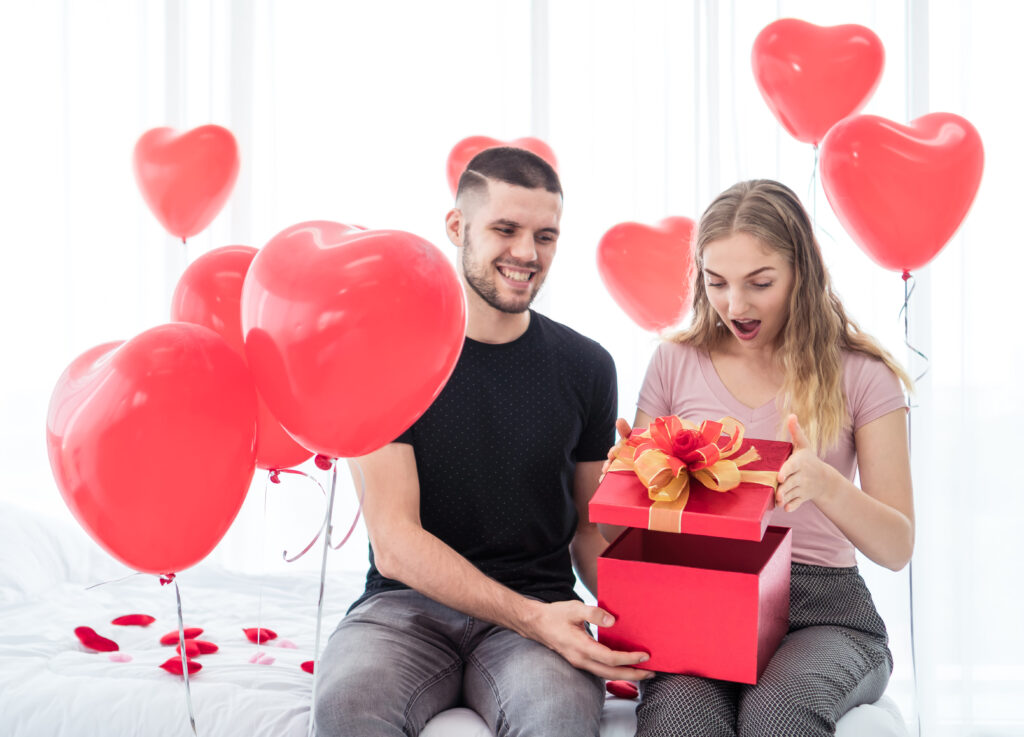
<point>307,666</point>
<point>205,647</point>
<point>171,638</point>
<point>191,649</point>
<point>622,689</point>
<point>173,665</point>
<point>264,635</point>
<point>88,637</point>
<point>139,620</point>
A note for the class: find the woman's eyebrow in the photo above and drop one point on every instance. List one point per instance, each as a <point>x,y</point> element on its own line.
<point>755,272</point>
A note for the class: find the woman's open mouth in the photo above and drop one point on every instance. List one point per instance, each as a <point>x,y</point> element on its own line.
<point>746,329</point>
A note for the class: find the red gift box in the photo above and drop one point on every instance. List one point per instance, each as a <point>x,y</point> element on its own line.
<point>711,600</point>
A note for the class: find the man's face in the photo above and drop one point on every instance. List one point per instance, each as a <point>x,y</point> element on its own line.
<point>508,242</point>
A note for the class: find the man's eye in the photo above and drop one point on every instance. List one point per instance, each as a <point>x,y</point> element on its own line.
<point>505,231</point>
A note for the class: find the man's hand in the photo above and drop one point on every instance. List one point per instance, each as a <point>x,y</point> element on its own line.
<point>561,626</point>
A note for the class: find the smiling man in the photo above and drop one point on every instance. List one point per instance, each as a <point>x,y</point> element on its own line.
<point>477,514</point>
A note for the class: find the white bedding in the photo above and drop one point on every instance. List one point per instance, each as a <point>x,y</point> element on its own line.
<point>52,686</point>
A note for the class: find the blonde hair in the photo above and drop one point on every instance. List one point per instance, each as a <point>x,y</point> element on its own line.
<point>817,328</point>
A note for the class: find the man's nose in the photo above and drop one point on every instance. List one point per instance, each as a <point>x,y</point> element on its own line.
<point>523,248</point>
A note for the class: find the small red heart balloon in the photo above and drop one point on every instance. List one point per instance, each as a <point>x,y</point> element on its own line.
<point>350,334</point>
<point>185,178</point>
<point>649,270</point>
<point>463,152</point>
<point>209,293</point>
<point>901,191</point>
<point>813,76</point>
<point>152,444</point>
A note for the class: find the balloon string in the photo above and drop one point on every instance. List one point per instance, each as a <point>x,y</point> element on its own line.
<point>814,188</point>
<point>263,570</point>
<point>274,478</point>
<point>359,504</point>
<point>113,580</point>
<point>184,660</point>
<point>320,599</point>
<point>909,284</point>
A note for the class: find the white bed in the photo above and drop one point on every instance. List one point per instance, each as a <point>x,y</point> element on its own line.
<point>52,686</point>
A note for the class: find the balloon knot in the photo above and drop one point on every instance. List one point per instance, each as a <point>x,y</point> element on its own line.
<point>275,477</point>
<point>906,275</point>
<point>323,462</point>
<point>166,579</point>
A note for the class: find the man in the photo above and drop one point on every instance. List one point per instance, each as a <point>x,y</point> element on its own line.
<point>478,512</point>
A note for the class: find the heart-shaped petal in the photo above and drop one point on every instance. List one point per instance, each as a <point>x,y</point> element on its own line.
<point>814,76</point>
<point>307,665</point>
<point>173,665</point>
<point>648,270</point>
<point>172,638</point>
<point>259,634</point>
<point>622,689</point>
<point>88,637</point>
<point>901,191</point>
<point>137,620</point>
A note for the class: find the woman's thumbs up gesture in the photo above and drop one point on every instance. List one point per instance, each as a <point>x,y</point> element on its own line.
<point>804,476</point>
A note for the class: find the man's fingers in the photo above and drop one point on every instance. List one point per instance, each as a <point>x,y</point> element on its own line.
<point>598,617</point>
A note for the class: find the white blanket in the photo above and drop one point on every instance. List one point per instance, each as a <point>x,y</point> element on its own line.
<point>52,686</point>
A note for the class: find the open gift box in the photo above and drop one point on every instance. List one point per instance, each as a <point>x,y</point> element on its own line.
<point>711,596</point>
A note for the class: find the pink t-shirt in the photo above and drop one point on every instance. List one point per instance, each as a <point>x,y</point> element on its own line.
<point>681,380</point>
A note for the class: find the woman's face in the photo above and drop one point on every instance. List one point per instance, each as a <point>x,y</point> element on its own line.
<point>748,285</point>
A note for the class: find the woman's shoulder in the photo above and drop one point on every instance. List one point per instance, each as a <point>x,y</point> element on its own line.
<point>871,387</point>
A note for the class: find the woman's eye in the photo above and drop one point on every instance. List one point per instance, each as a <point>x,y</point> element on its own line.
<point>762,285</point>
<point>716,284</point>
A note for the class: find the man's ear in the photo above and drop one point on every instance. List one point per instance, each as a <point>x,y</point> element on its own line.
<point>455,226</point>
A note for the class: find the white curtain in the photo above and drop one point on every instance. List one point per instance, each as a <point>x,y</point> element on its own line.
<point>347,111</point>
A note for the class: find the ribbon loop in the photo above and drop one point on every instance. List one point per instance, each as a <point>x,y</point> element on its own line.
<point>671,451</point>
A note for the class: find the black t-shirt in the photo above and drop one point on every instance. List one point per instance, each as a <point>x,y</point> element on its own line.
<point>497,449</point>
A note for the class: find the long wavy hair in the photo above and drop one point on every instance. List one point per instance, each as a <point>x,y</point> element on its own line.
<point>816,330</point>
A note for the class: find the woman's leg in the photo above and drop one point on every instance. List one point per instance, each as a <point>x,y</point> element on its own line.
<point>673,705</point>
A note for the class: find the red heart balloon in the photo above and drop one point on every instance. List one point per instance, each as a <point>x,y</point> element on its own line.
<point>350,334</point>
<point>463,152</point>
<point>812,76</point>
<point>186,178</point>
<point>902,191</point>
<point>209,293</point>
<point>152,444</point>
<point>649,270</point>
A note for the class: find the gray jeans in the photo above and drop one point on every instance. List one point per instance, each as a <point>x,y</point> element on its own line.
<point>399,658</point>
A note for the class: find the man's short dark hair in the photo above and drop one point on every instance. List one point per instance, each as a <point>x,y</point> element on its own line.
<point>510,165</point>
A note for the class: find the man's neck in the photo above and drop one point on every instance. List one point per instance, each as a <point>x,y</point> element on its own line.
<point>485,324</point>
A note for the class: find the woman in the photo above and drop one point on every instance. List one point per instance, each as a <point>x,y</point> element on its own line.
<point>770,344</point>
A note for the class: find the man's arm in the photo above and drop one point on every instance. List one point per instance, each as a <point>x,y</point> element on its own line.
<point>588,543</point>
<point>404,551</point>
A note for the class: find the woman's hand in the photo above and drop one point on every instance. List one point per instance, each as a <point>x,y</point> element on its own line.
<point>804,476</point>
<point>624,430</point>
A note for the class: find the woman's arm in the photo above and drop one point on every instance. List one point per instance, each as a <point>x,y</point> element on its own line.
<point>879,520</point>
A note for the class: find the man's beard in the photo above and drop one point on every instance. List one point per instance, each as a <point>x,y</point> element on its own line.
<point>487,289</point>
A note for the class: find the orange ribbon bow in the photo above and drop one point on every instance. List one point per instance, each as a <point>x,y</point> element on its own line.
<point>670,451</point>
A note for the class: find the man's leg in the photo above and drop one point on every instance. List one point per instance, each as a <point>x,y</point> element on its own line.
<point>391,665</point>
<point>523,689</point>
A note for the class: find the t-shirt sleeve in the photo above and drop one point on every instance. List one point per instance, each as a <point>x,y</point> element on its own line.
<point>406,437</point>
<point>874,390</point>
<point>656,392</point>
<point>599,429</point>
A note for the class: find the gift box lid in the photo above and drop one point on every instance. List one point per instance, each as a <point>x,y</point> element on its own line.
<point>740,513</point>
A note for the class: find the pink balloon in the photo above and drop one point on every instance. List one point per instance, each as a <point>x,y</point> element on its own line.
<point>152,444</point>
<point>648,270</point>
<point>209,293</point>
<point>464,151</point>
<point>350,334</point>
<point>812,76</point>
<point>185,178</point>
<point>901,191</point>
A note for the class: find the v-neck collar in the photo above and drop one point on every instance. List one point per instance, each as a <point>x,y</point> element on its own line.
<point>736,408</point>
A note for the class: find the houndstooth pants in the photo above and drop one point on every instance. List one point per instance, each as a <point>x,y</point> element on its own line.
<point>835,657</point>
